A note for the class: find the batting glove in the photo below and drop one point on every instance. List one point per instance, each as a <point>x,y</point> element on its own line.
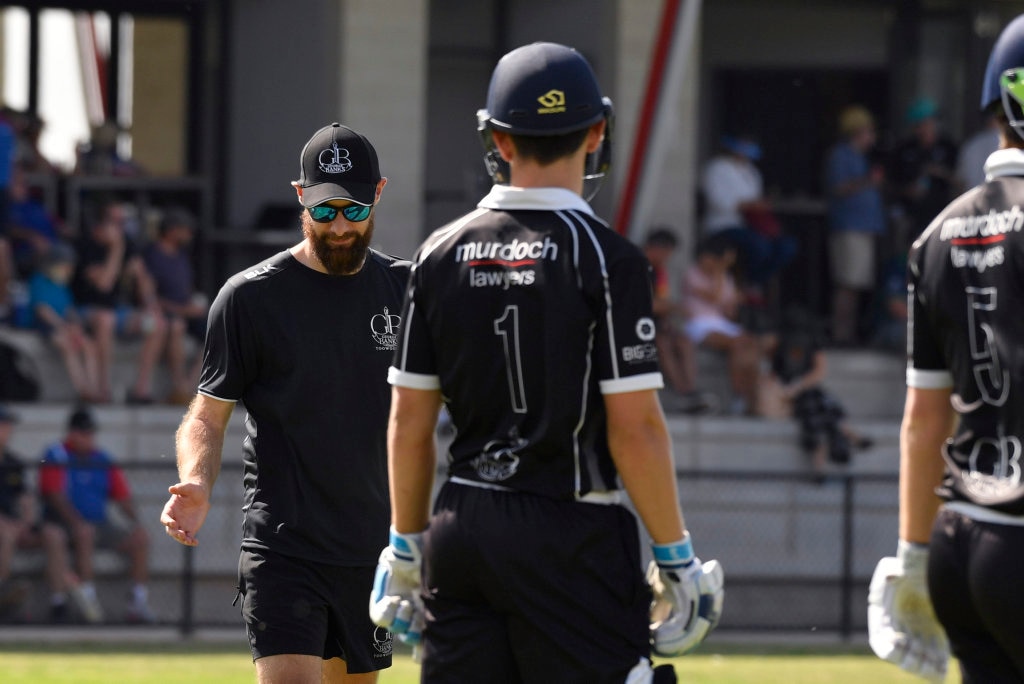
<point>902,627</point>
<point>688,598</point>
<point>395,602</point>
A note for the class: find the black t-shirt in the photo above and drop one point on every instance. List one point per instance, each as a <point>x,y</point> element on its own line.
<point>966,328</point>
<point>523,313</point>
<point>909,165</point>
<point>308,354</point>
<point>90,253</point>
<point>12,483</point>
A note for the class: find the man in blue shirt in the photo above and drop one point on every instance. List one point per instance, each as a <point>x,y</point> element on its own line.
<point>856,219</point>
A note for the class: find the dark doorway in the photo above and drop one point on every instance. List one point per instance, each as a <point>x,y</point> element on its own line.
<point>793,114</point>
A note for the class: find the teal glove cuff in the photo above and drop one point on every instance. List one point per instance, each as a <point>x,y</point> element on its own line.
<point>674,556</point>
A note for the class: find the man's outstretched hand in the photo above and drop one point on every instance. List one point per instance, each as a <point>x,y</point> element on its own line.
<point>185,512</point>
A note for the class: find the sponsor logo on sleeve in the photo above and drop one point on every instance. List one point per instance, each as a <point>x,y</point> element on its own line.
<point>646,351</point>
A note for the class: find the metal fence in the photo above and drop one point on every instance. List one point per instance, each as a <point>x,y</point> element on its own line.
<point>797,554</point>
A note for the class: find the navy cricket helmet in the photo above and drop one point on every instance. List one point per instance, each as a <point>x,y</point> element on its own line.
<point>1004,75</point>
<point>544,89</point>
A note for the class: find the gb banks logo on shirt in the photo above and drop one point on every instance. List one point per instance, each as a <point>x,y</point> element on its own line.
<point>384,329</point>
<point>504,264</point>
<point>334,159</point>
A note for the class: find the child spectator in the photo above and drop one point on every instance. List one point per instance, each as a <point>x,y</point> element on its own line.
<point>53,313</point>
<point>712,302</point>
<point>799,366</point>
<point>675,350</point>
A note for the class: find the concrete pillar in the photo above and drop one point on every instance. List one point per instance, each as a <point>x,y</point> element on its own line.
<point>383,95</point>
<point>638,27</point>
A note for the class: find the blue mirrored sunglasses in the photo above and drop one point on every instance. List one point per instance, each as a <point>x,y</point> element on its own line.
<point>324,213</point>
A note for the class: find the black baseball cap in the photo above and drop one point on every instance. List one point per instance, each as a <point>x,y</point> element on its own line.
<point>338,163</point>
<point>7,415</point>
<point>82,419</point>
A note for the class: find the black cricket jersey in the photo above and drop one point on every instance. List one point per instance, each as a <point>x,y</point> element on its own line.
<point>523,313</point>
<point>966,332</point>
<point>308,355</point>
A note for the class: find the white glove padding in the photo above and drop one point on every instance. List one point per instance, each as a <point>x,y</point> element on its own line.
<point>688,598</point>
<point>395,602</point>
<point>902,627</point>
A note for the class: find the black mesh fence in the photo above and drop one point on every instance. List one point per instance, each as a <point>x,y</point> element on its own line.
<point>797,554</point>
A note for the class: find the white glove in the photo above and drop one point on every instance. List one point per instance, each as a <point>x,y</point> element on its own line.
<point>688,598</point>
<point>395,602</point>
<point>902,627</point>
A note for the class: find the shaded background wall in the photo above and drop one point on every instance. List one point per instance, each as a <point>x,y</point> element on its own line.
<point>227,92</point>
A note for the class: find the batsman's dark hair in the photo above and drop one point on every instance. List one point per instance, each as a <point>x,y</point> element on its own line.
<point>547,149</point>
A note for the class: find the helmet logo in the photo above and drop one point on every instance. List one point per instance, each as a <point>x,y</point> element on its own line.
<point>334,159</point>
<point>1012,82</point>
<point>552,102</point>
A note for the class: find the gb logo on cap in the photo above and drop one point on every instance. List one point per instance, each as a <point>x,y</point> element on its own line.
<point>335,159</point>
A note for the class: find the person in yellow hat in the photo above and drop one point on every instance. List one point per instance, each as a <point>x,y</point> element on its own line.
<point>856,219</point>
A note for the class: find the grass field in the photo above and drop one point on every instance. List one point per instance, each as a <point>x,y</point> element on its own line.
<point>216,664</point>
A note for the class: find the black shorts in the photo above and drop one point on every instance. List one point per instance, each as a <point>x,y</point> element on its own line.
<point>975,587</point>
<point>295,606</point>
<point>521,588</point>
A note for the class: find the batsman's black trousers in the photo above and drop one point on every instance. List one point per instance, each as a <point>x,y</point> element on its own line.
<point>522,588</point>
<point>976,581</point>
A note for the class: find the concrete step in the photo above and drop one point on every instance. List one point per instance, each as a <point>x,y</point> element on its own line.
<point>46,365</point>
<point>870,384</point>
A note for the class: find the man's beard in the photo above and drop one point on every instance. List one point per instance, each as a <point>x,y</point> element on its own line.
<point>338,260</point>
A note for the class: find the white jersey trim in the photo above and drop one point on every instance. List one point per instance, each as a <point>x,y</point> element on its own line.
<point>214,396</point>
<point>508,198</point>
<point>613,497</point>
<point>401,378</point>
<point>982,514</point>
<point>928,379</point>
<point>1008,162</point>
<point>633,383</point>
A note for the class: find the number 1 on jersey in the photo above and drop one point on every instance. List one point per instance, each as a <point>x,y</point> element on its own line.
<point>507,328</point>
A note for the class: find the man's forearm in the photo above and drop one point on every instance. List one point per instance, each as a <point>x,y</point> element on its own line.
<point>412,456</point>
<point>199,448</point>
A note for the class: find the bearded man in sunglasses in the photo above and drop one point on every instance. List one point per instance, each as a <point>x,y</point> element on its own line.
<point>305,339</point>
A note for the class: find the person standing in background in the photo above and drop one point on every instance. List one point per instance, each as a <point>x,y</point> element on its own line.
<point>856,219</point>
<point>736,208</point>
<point>921,171</point>
<point>970,165</point>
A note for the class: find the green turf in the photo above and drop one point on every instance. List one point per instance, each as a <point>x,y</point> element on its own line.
<point>230,664</point>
